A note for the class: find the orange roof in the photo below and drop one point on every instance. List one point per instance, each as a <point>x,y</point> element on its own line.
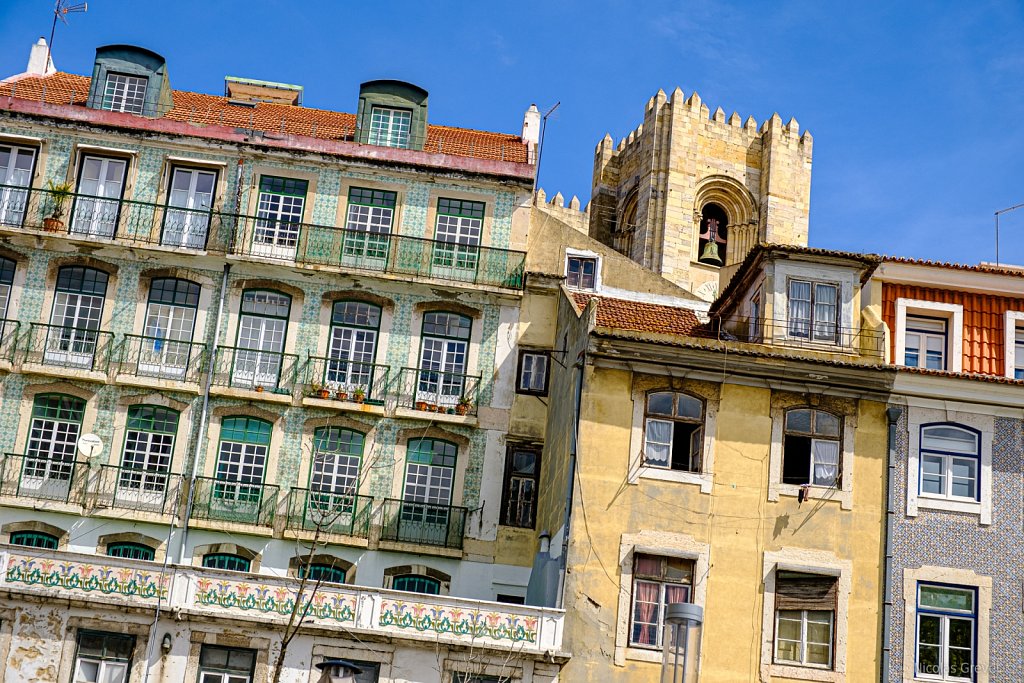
<point>641,317</point>
<point>980,268</point>
<point>197,108</point>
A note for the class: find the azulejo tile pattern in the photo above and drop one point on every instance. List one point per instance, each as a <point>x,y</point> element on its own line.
<point>443,620</point>
<point>82,577</point>
<point>323,603</point>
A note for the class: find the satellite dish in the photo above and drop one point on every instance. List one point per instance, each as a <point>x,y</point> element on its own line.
<point>90,445</point>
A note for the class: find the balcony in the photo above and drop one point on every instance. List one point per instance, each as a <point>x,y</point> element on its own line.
<point>158,358</point>
<point>353,250</point>
<point>249,503</point>
<point>423,523</point>
<point>9,334</point>
<point>332,513</point>
<point>29,477</point>
<point>336,376</point>
<point>91,217</point>
<point>128,488</point>
<point>799,334</point>
<point>69,348</point>
<point>253,370</point>
<point>433,391</point>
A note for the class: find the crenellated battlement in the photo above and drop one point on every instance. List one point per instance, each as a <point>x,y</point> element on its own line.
<point>571,215</point>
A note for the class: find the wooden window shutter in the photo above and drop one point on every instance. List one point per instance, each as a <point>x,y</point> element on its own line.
<point>805,591</point>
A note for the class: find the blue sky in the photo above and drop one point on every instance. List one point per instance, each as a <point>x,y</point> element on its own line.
<point>914,107</point>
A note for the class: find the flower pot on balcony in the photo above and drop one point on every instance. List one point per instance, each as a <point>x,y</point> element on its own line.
<point>323,393</point>
<point>51,224</point>
<point>359,397</point>
<point>421,405</point>
<point>341,395</point>
<point>462,408</point>
<point>259,388</point>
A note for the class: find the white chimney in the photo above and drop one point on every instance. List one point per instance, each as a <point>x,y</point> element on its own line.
<point>531,127</point>
<point>38,64</point>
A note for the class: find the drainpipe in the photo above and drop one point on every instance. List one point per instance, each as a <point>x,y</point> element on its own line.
<point>570,485</point>
<point>892,415</point>
<point>203,416</point>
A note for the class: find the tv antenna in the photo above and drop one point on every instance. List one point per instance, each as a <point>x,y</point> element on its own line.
<point>540,148</point>
<point>61,10</point>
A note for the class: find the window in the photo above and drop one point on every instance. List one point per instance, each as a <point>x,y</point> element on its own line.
<point>510,599</point>
<point>714,235</point>
<point>946,622</point>
<point>457,234</point>
<point>519,494</point>
<point>533,372</point>
<point>416,583</point>
<point>754,326</point>
<point>96,208</point>
<point>950,462</point>
<point>813,310</point>
<point>34,539</point>
<point>430,471</point>
<point>390,127</point>
<point>674,431</point>
<point>334,478</point>
<point>805,609</point>
<point>148,450</point>
<point>925,343</point>
<point>226,664</point>
<point>477,678</point>
<point>278,217</point>
<point>16,164</point>
<point>1018,357</point>
<point>52,444</point>
<point>353,345</point>
<point>321,571</point>
<point>445,346</point>
<point>657,582</point>
<point>189,202</point>
<point>103,657</point>
<point>369,671</point>
<point>262,329</point>
<point>125,93</point>
<point>234,563</point>
<point>242,459</point>
<point>810,448</point>
<point>371,214</point>
<point>131,551</point>
<point>166,350</point>
<point>580,272</point>
<point>78,300</point>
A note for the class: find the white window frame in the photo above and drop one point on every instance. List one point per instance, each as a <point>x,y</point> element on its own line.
<point>925,335</point>
<point>387,134</point>
<point>954,313</point>
<point>533,359</point>
<point>844,492</point>
<point>1014,322</point>
<point>579,253</point>
<point>116,98</point>
<point>837,337</point>
<point>803,640</point>
<point>947,459</point>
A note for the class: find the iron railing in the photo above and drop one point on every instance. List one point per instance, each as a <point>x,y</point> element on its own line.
<point>129,488</point>
<point>68,347</point>
<point>95,217</point>
<point>159,358</point>
<point>43,478</point>
<point>347,378</point>
<point>334,513</point>
<point>253,369</point>
<point>423,523</point>
<point>322,245</point>
<point>234,501</point>
<point>9,335</point>
<point>438,392</point>
<point>796,332</point>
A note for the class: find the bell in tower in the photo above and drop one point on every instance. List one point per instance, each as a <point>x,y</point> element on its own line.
<point>714,226</point>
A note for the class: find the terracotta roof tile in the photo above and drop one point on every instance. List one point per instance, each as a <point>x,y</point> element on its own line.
<point>1017,271</point>
<point>198,108</point>
<point>641,317</point>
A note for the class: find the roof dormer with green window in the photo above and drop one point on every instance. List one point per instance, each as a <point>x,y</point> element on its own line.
<point>392,114</point>
<point>131,80</point>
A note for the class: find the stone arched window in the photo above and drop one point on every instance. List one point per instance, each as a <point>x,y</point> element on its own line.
<point>626,228</point>
<point>713,236</point>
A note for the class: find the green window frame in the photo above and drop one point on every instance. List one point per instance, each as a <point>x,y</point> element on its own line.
<point>82,280</point>
<point>463,208</point>
<point>365,196</point>
<point>131,551</point>
<point>416,583</point>
<point>242,456</point>
<point>52,443</point>
<point>34,539</point>
<point>341,444</point>
<point>174,292</point>
<point>293,187</point>
<point>447,325</point>
<point>227,561</point>
<point>323,572</point>
<point>429,475</point>
<point>59,407</point>
<point>148,449</point>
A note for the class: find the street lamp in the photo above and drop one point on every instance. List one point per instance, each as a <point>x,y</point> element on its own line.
<point>338,671</point>
<point>684,623</point>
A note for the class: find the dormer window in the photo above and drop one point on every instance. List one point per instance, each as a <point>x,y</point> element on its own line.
<point>925,343</point>
<point>124,93</point>
<point>813,310</point>
<point>1018,363</point>
<point>390,127</point>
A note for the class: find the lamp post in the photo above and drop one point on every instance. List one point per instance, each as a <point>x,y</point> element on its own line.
<point>338,671</point>
<point>684,623</point>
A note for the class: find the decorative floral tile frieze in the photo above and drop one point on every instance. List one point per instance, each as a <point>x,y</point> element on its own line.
<point>86,578</point>
<point>264,599</point>
<point>457,621</point>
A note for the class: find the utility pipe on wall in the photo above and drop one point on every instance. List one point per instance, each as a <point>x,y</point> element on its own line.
<point>570,484</point>
<point>892,414</point>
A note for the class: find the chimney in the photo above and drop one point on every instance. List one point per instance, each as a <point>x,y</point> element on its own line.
<point>37,62</point>
<point>531,127</point>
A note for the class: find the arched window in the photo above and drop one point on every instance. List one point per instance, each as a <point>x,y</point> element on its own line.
<point>626,228</point>
<point>714,235</point>
<point>430,471</point>
<point>674,429</point>
<point>262,329</point>
<point>78,300</point>
<point>323,571</point>
<point>950,462</point>
<point>332,502</point>
<point>52,444</point>
<point>234,563</point>
<point>34,539</point>
<point>131,551</point>
<point>353,345</point>
<point>148,451</point>
<point>242,459</point>
<point>416,583</point>
<point>279,212</point>
<point>443,357</point>
<point>811,449</point>
<point>170,323</point>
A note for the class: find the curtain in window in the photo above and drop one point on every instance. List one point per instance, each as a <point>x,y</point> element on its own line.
<point>659,442</point>
<point>826,461</point>
<point>646,615</point>
<point>825,312</point>
<point>799,308</point>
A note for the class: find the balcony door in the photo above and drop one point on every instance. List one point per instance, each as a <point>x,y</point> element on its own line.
<point>262,328</point>
<point>457,232</point>
<point>189,202</point>
<point>73,335</point>
<point>166,350</point>
<point>100,185</point>
<point>16,164</point>
<point>146,462</point>
<point>368,223</point>
<point>427,497</point>
<point>445,345</point>
<point>241,467</point>
<point>52,443</point>
<point>353,345</point>
<point>279,217</point>
<point>334,478</point>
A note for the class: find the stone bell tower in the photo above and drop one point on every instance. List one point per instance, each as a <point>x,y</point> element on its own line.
<point>688,194</point>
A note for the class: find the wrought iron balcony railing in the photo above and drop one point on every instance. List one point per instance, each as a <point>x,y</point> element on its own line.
<point>160,358</point>
<point>254,369</point>
<point>76,348</point>
<point>346,380</point>
<point>95,217</point>
<point>235,501</point>
<point>799,333</point>
<point>43,477</point>
<point>9,335</point>
<point>423,523</point>
<point>333,513</point>
<point>128,488</point>
<point>438,392</point>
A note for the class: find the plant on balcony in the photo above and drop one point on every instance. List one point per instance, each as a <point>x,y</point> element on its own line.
<point>319,391</point>
<point>359,395</point>
<point>258,388</point>
<point>341,393</point>
<point>420,405</point>
<point>57,201</point>
<point>464,405</point>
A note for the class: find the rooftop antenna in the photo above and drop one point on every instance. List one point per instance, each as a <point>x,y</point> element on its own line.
<point>1002,211</point>
<point>61,10</point>
<point>540,148</point>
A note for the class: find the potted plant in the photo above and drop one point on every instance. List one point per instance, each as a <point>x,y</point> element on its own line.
<point>421,405</point>
<point>359,394</point>
<point>259,388</point>
<point>59,194</point>
<point>464,405</point>
<point>341,393</point>
<point>317,390</point>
